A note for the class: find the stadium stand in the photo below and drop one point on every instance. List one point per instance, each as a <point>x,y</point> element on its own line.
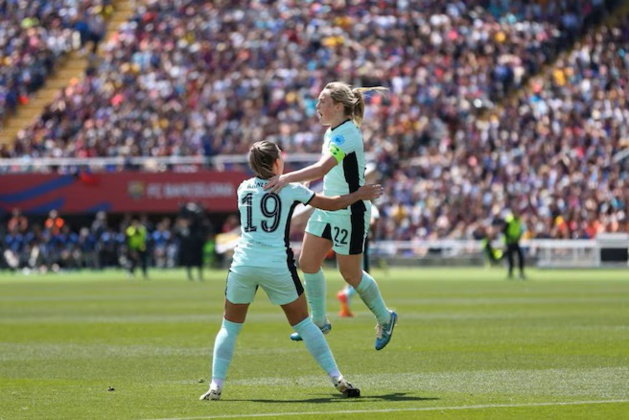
<point>551,150</point>
<point>493,103</point>
<point>35,35</point>
<point>244,73</point>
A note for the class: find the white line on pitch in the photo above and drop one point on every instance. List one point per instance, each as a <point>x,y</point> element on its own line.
<point>393,410</point>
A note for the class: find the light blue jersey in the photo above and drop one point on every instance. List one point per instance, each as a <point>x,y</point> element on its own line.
<point>265,224</point>
<point>346,228</point>
<point>345,143</point>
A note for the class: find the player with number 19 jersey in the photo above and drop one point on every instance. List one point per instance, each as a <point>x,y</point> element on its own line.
<point>265,223</point>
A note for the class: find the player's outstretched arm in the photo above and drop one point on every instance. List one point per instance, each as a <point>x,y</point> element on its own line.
<point>366,192</point>
<point>309,173</point>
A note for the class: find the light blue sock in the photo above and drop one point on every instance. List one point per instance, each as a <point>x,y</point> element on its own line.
<point>317,346</point>
<point>224,348</point>
<point>315,294</point>
<point>349,292</point>
<point>370,294</point>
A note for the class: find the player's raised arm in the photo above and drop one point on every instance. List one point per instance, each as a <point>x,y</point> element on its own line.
<point>309,173</point>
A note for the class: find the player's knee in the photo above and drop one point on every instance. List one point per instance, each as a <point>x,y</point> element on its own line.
<point>308,265</point>
<point>352,278</point>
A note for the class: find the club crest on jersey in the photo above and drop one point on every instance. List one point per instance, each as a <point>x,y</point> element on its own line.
<point>338,139</point>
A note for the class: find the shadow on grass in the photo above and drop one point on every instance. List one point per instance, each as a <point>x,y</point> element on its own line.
<point>396,396</point>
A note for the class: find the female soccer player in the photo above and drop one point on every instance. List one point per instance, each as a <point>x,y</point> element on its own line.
<point>264,258</point>
<point>342,167</point>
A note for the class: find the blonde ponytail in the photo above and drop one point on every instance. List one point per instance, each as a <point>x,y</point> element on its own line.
<point>352,99</point>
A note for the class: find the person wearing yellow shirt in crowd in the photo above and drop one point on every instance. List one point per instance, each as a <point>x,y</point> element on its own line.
<point>513,229</point>
<point>136,245</point>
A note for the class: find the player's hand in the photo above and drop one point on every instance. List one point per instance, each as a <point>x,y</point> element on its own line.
<point>275,184</point>
<point>370,191</point>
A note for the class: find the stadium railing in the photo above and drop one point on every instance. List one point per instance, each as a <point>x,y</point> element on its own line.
<point>608,250</point>
<point>605,251</point>
<point>151,164</point>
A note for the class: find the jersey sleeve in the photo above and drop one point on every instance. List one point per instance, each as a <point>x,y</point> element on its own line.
<point>343,143</point>
<point>242,185</point>
<point>301,193</point>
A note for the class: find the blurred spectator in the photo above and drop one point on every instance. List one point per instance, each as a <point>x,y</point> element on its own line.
<point>17,221</point>
<point>136,245</point>
<point>514,229</point>
<point>162,245</point>
<point>192,232</point>
<point>54,223</point>
<point>109,247</point>
<point>14,247</point>
<point>65,249</point>
<point>99,225</point>
<point>86,249</point>
<point>37,249</point>
<point>230,224</point>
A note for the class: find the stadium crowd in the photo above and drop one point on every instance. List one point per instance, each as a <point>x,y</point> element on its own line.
<point>34,35</point>
<point>550,152</point>
<point>248,70</point>
<point>461,139</point>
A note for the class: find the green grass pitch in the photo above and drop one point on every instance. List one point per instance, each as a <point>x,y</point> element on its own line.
<point>469,345</point>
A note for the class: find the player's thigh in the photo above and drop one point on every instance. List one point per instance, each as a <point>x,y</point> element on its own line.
<point>296,311</point>
<point>241,285</point>
<point>316,245</point>
<point>282,284</point>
